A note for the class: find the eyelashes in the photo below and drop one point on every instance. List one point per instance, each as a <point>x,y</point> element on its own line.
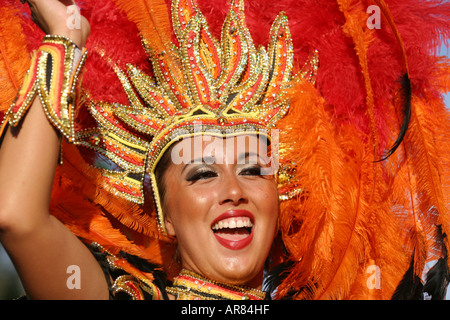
<point>251,171</point>
<point>207,173</point>
<point>201,174</point>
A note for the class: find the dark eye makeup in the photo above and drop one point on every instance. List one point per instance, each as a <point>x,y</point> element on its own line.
<point>254,170</point>
<point>200,174</point>
<point>205,172</point>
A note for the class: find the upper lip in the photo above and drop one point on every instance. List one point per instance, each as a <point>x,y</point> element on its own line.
<point>234,214</point>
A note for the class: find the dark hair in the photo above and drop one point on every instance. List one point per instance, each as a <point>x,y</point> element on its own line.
<point>161,168</point>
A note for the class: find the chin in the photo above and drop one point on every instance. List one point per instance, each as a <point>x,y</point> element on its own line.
<point>236,271</point>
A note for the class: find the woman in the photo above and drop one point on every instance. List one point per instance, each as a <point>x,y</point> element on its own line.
<point>195,136</point>
<point>223,212</point>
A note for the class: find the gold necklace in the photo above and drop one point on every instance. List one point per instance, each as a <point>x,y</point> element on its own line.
<point>189,285</point>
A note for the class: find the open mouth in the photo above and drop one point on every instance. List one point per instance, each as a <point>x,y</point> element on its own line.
<point>232,230</point>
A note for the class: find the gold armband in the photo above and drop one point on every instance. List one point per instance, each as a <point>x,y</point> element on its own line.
<point>53,75</point>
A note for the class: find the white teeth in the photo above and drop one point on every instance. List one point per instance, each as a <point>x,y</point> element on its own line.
<point>233,223</point>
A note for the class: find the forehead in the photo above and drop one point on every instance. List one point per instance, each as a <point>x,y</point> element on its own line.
<point>219,148</point>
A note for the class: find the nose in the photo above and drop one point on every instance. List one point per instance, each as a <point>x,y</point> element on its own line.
<point>232,191</point>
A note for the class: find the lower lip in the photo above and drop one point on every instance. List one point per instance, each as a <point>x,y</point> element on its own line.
<point>235,245</point>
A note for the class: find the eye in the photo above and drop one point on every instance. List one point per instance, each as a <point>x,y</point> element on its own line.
<point>201,175</point>
<point>251,171</point>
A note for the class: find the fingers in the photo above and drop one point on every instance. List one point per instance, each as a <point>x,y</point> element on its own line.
<point>60,17</point>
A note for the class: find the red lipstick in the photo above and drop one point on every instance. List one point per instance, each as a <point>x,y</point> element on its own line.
<point>230,243</point>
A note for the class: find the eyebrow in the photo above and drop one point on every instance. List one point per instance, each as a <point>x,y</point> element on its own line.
<point>203,160</point>
<point>210,159</point>
<point>248,154</point>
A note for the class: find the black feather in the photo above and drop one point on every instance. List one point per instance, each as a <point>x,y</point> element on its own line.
<point>145,266</point>
<point>438,278</point>
<point>275,276</point>
<point>406,101</point>
<point>411,287</point>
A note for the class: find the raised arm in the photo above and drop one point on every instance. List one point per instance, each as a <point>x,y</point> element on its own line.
<point>41,248</point>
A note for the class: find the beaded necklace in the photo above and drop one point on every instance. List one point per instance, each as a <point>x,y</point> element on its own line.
<point>189,285</point>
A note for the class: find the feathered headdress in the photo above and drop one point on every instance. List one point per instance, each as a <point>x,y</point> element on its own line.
<point>202,85</point>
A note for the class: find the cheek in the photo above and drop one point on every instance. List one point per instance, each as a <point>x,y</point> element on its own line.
<point>189,212</point>
<point>265,194</point>
<point>267,204</point>
<point>189,206</point>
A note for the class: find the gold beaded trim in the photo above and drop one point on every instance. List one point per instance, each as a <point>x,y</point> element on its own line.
<point>55,84</point>
<point>132,285</point>
<point>192,286</point>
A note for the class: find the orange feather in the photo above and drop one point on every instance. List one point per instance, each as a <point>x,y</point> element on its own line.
<point>14,60</point>
<point>343,222</point>
<point>81,202</point>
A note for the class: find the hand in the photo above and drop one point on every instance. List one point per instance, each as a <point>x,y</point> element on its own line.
<point>53,17</point>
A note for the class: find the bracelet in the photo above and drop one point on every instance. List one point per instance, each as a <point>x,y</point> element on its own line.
<point>53,75</point>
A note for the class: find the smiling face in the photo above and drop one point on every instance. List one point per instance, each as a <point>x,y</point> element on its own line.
<point>222,205</point>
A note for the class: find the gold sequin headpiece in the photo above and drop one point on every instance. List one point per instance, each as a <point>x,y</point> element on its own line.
<point>226,88</point>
